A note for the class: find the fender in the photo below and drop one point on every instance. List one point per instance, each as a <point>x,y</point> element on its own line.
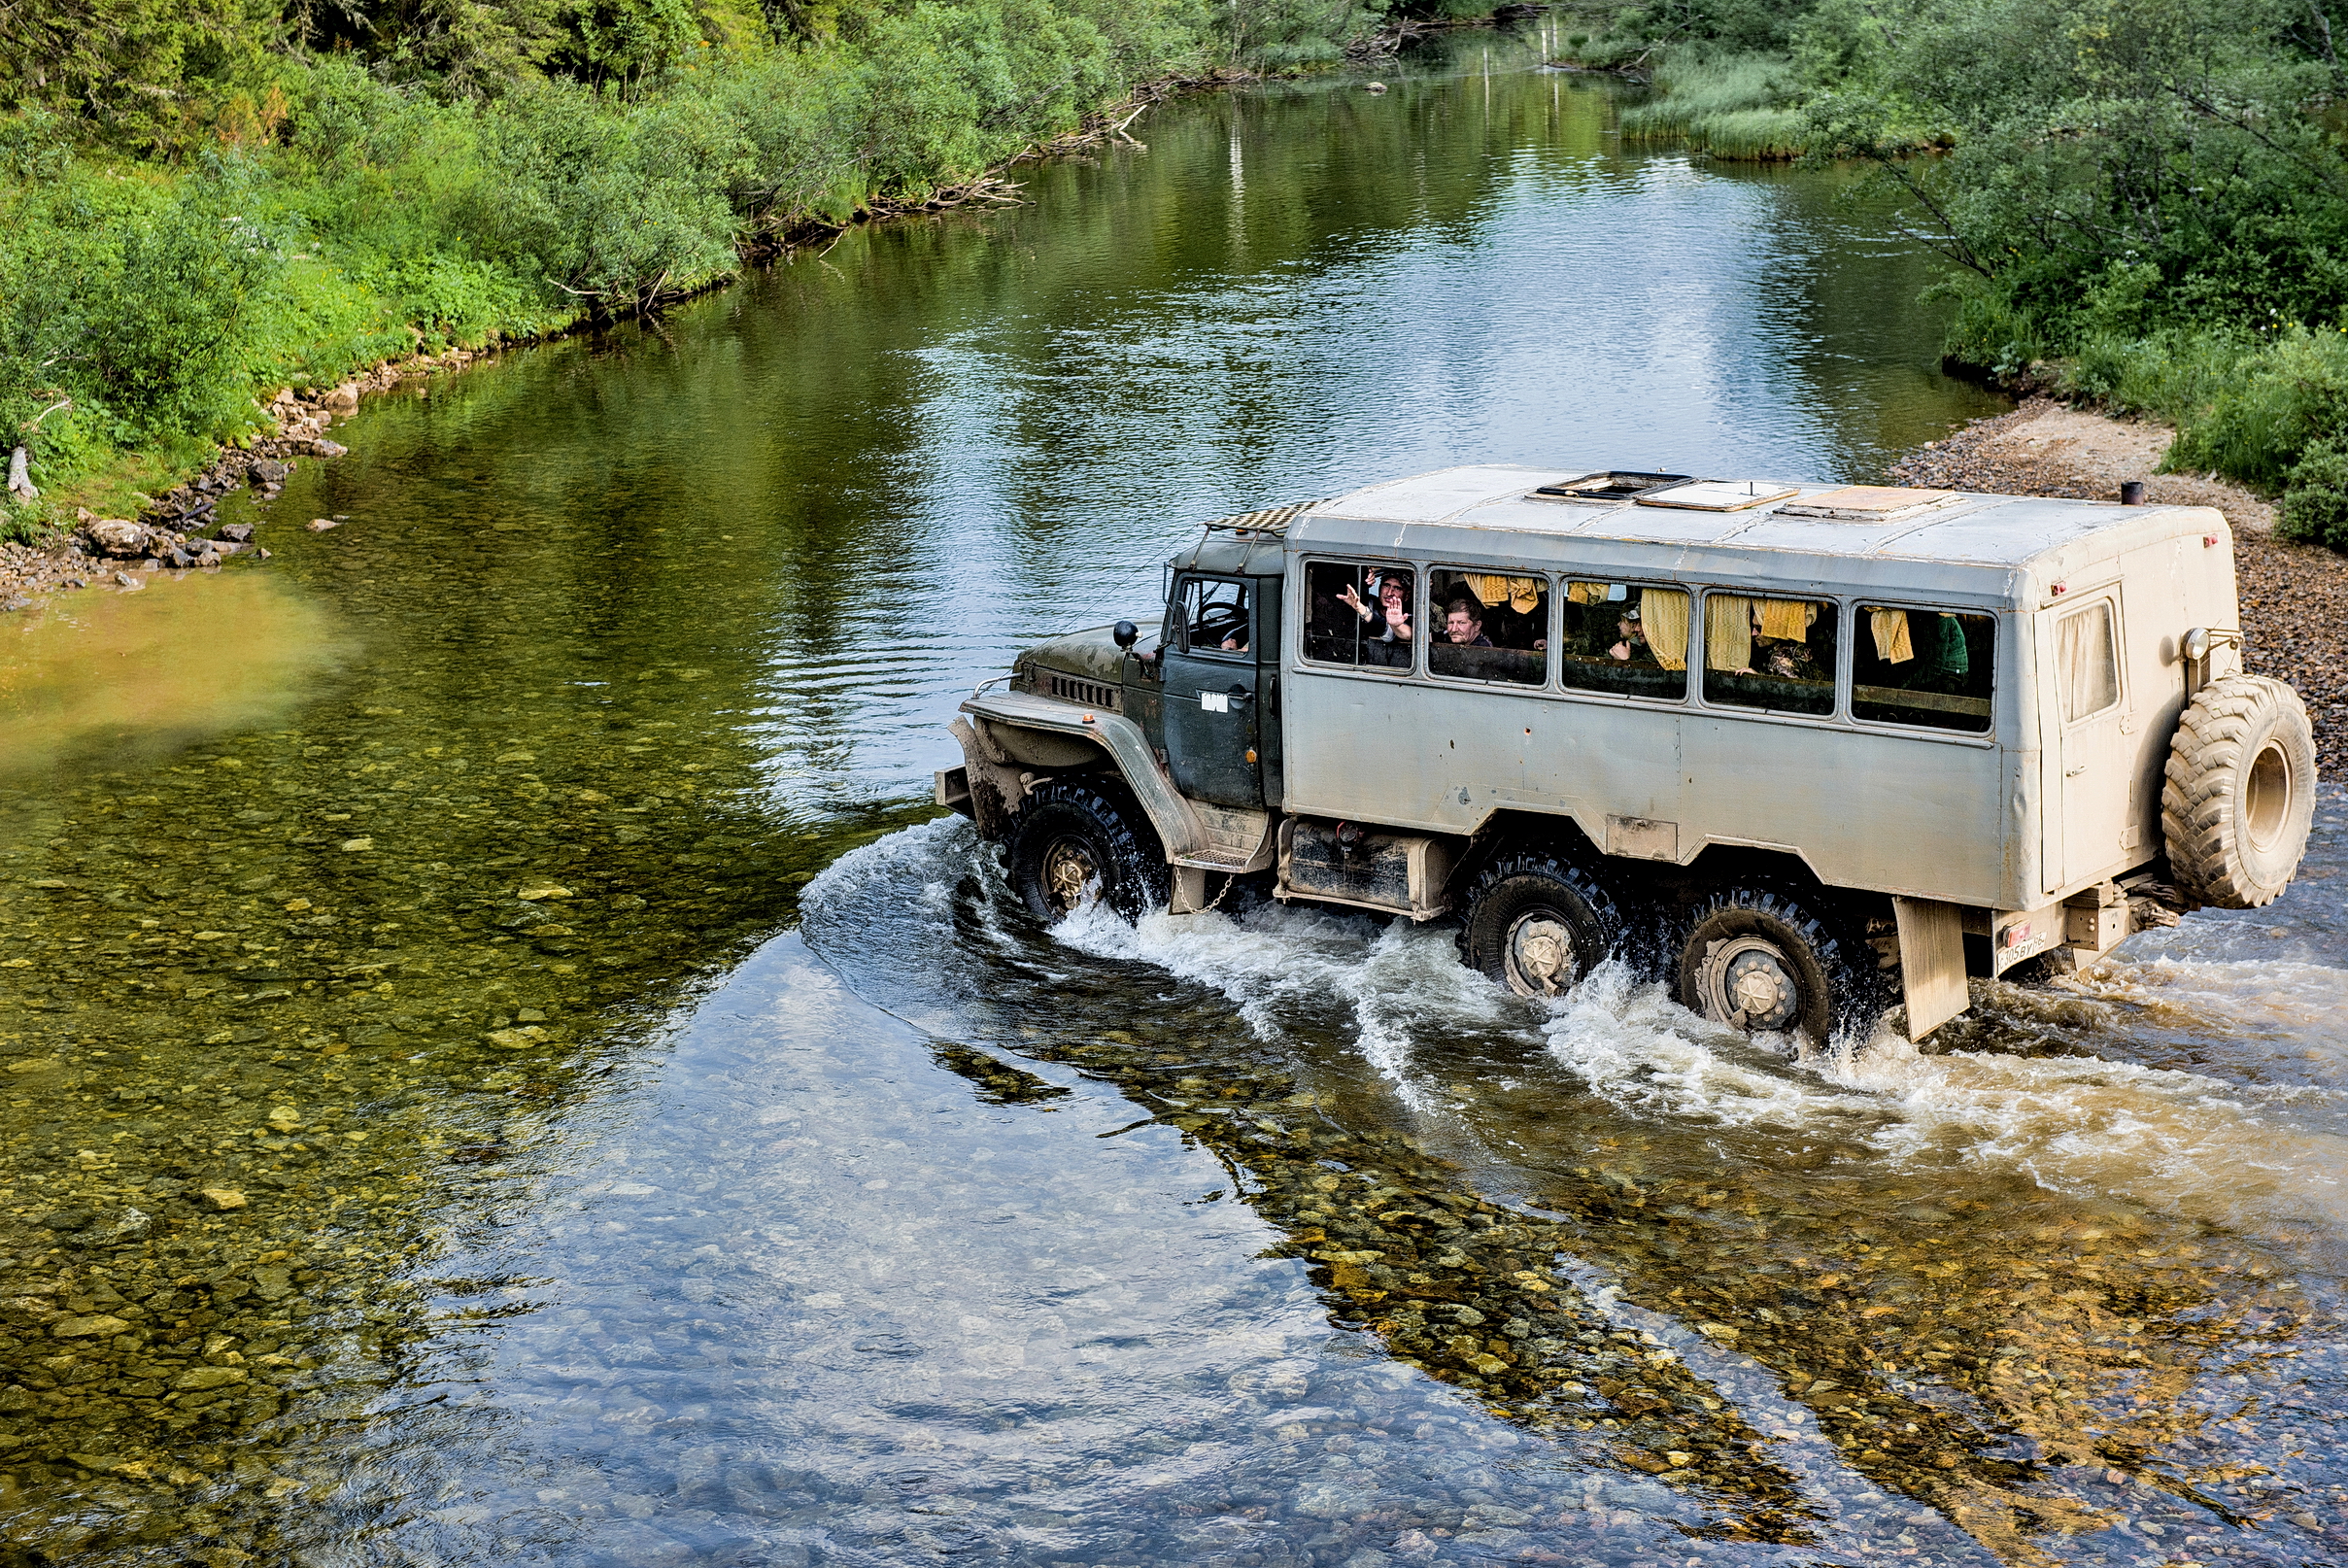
<point>1128,749</point>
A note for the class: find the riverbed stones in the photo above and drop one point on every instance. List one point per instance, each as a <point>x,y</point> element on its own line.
<point>118,537</point>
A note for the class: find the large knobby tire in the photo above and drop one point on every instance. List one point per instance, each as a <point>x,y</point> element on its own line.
<point>1075,842</point>
<point>1536,922</point>
<point>2240,794</point>
<point>1765,959</point>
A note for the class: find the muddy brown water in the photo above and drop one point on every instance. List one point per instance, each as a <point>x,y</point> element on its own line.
<point>503,1063</point>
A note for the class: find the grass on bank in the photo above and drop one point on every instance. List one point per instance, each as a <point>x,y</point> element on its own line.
<point>1731,106</point>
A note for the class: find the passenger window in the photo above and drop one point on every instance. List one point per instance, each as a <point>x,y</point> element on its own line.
<point>2085,662</point>
<point>1776,654</point>
<point>1489,627</point>
<point>1925,668</point>
<point>1363,613</point>
<point>1624,638</point>
<point>1214,615</point>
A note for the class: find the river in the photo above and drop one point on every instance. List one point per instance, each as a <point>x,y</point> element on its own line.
<point>504,1063</point>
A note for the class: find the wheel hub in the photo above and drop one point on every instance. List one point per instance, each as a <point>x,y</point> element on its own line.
<point>1750,984</point>
<point>1070,879</point>
<point>1541,955</point>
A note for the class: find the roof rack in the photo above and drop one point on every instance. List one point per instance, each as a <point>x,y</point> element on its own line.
<point>1273,520</point>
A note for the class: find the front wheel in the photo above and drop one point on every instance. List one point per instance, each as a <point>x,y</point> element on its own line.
<point>1074,843</point>
<point>1537,924</point>
<point>1761,959</point>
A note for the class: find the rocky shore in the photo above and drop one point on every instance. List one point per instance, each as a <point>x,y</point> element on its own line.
<point>179,531</point>
<point>2295,596</point>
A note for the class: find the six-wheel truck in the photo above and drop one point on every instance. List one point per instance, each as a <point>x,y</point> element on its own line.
<point>1802,750</point>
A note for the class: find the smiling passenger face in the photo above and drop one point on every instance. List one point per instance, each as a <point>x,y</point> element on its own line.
<point>1390,593</point>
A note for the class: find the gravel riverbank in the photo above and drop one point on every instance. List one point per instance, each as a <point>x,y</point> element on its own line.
<point>2295,596</point>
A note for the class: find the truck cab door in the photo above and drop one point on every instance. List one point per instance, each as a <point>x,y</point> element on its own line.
<point>1213,717</point>
<point>2098,763</point>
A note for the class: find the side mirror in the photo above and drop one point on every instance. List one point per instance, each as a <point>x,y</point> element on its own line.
<point>1126,635</point>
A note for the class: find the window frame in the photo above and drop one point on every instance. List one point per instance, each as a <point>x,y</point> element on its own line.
<point>2108,602</point>
<point>1699,617</point>
<point>1176,613</point>
<point>1302,611</point>
<point>1849,680</point>
<point>1592,694</point>
<point>1425,657</point>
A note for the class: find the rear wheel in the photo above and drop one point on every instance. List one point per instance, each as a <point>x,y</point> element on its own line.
<point>1763,959</point>
<point>1537,924</point>
<point>1075,842</point>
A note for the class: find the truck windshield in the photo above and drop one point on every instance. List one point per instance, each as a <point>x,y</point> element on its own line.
<point>1363,613</point>
<point>1925,668</point>
<point>1625,637</point>
<point>1769,653</point>
<point>1493,626</point>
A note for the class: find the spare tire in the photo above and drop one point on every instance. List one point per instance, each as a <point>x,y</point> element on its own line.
<point>2240,795</point>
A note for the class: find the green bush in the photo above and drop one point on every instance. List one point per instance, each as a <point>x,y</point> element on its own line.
<point>2277,402</point>
<point>2315,496</point>
<point>169,323</point>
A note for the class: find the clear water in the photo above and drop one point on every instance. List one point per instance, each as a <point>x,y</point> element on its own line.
<point>501,1062</point>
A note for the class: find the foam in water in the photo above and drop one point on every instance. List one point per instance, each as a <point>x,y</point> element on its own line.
<point>1276,961</point>
<point>2177,1139</point>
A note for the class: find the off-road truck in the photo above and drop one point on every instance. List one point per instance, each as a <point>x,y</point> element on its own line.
<point>1803,751</point>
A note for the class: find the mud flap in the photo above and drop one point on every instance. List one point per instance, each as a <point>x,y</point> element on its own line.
<point>1189,890</point>
<point>1932,961</point>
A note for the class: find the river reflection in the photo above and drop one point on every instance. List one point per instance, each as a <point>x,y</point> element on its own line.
<point>501,1065</point>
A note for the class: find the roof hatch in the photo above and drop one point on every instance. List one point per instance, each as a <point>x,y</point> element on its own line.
<point>1720,495</point>
<point>1869,504</point>
<point>1609,488</point>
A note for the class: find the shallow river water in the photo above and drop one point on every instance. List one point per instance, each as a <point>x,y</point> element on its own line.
<point>503,1063</point>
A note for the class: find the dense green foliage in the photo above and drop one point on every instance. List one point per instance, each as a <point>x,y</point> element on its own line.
<point>2144,202</point>
<point>200,202</point>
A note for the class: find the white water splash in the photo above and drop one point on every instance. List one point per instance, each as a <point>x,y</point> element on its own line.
<point>1273,961</point>
<point>2186,1141</point>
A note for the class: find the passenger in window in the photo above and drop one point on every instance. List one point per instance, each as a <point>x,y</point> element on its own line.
<point>1386,618</point>
<point>1631,647</point>
<point>1391,618</point>
<point>1463,625</point>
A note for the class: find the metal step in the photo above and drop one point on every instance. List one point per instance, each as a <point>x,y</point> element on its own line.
<point>1238,839</point>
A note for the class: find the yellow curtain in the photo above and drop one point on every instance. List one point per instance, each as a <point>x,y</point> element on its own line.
<point>1788,619</point>
<point>1585,593</point>
<point>1489,590</point>
<point>1663,613</point>
<point>1524,594</point>
<point>1891,644</point>
<point>1728,632</point>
